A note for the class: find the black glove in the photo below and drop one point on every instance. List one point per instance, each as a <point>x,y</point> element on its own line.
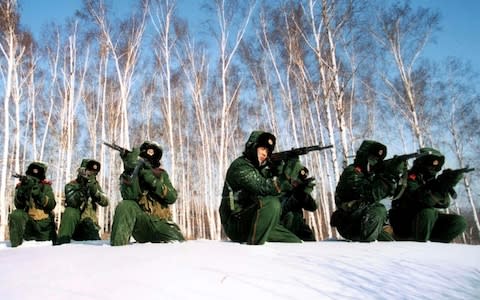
<point>449,178</point>
<point>28,181</point>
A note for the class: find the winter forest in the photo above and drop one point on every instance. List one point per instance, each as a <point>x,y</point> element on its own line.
<point>311,72</point>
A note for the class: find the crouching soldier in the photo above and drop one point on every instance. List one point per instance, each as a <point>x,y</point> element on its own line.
<point>297,200</point>
<point>360,216</point>
<point>416,215</point>
<point>34,202</point>
<point>147,192</point>
<point>82,196</point>
<point>251,207</point>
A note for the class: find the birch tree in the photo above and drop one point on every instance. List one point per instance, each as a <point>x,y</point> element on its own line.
<point>204,194</point>
<point>457,112</point>
<point>12,52</point>
<point>228,90</point>
<point>403,32</point>
<point>161,16</point>
<point>124,45</point>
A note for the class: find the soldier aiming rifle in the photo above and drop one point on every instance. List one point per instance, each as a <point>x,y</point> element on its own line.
<point>34,202</point>
<point>415,215</point>
<point>124,154</point>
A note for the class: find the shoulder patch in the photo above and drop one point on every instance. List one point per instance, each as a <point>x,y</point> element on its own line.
<point>358,170</point>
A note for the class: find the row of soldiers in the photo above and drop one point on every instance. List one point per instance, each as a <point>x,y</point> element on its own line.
<point>263,199</point>
<point>143,214</point>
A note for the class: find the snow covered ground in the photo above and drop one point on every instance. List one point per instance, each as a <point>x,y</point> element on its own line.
<point>205,269</point>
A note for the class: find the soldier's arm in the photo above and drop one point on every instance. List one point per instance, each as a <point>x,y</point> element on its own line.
<point>46,199</point>
<point>21,197</point>
<point>244,176</point>
<point>428,195</point>
<point>96,192</point>
<point>74,195</point>
<point>100,197</point>
<point>159,184</point>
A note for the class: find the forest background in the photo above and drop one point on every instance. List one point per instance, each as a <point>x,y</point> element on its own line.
<point>311,72</point>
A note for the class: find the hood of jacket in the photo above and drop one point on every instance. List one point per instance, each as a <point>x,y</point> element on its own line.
<point>430,163</point>
<point>257,139</point>
<point>369,149</point>
<point>37,169</point>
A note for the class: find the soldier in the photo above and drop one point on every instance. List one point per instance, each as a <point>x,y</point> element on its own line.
<point>82,196</point>
<point>360,216</point>
<point>297,200</point>
<point>250,208</point>
<point>147,192</point>
<point>34,202</point>
<point>414,216</point>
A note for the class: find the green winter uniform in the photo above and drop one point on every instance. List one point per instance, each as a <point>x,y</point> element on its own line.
<point>82,195</point>
<point>414,216</point>
<point>146,192</point>
<point>34,201</point>
<point>360,216</point>
<point>250,208</point>
<point>297,200</point>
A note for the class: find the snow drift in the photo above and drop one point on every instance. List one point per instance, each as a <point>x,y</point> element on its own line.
<point>204,269</point>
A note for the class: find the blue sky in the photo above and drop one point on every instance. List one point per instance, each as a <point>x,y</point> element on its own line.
<point>459,20</point>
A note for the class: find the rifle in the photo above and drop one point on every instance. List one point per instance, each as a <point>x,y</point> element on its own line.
<point>392,167</point>
<point>284,155</point>
<point>114,146</point>
<point>123,151</point>
<point>450,174</point>
<point>20,176</point>
<point>396,161</point>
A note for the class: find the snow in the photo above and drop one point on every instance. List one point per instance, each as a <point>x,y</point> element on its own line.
<point>205,269</point>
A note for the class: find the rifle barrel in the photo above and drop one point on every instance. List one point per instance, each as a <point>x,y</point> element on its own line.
<point>278,156</point>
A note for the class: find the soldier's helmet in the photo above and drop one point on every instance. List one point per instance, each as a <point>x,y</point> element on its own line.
<point>37,169</point>
<point>258,139</point>
<point>370,152</point>
<point>90,165</point>
<point>151,151</point>
<point>430,163</point>
<point>266,140</point>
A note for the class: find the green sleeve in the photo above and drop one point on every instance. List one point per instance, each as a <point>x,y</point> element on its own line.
<point>24,191</point>
<point>95,191</point>
<point>100,197</point>
<point>382,187</point>
<point>309,203</point>
<point>75,195</point>
<point>242,175</point>
<point>351,186</point>
<point>159,185</point>
<point>354,185</point>
<point>428,195</point>
<point>47,201</point>
<point>21,196</point>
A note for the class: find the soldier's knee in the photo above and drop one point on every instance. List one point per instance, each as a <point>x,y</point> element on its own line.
<point>17,215</point>
<point>428,213</point>
<point>126,207</point>
<point>271,203</point>
<point>460,223</point>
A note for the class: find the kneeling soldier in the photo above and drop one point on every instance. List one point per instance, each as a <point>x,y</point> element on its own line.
<point>82,195</point>
<point>34,201</point>
<point>147,192</point>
